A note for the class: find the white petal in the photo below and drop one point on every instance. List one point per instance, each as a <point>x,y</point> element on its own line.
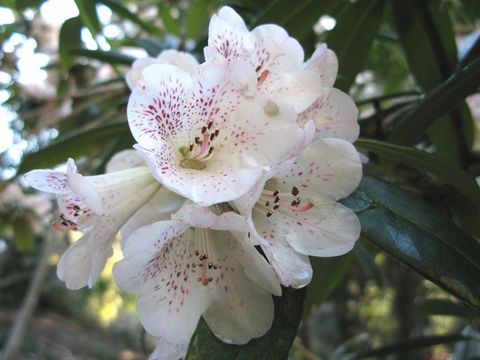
<point>334,114</point>
<point>183,60</point>
<point>324,62</point>
<point>328,167</point>
<point>156,107</point>
<point>275,51</point>
<point>48,181</point>
<point>166,350</point>
<point>328,229</point>
<point>83,188</point>
<point>201,217</point>
<point>123,160</point>
<point>74,265</point>
<point>133,76</point>
<point>160,207</point>
<point>228,36</point>
<point>300,89</point>
<point>241,310</point>
<point>293,269</point>
<point>157,265</point>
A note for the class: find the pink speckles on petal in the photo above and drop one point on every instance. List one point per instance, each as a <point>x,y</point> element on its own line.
<point>48,181</point>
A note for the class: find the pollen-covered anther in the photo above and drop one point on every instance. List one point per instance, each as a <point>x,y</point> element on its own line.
<point>284,200</point>
<point>202,149</point>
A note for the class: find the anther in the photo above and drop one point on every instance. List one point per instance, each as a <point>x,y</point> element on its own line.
<point>210,150</point>
<point>275,193</point>
<point>204,130</point>
<point>217,131</point>
<point>277,199</point>
<point>295,191</point>
<point>276,206</point>
<point>267,203</point>
<point>210,124</point>
<point>270,213</point>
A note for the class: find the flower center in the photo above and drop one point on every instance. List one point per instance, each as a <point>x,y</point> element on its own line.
<point>202,261</point>
<point>75,218</point>
<point>201,150</point>
<point>273,200</point>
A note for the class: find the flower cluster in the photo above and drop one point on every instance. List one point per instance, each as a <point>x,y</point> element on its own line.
<point>248,150</point>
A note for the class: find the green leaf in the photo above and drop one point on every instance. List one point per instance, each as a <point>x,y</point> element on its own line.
<point>197,18</point>
<point>76,144</point>
<point>438,102</point>
<point>327,275</point>
<point>419,236</point>
<point>365,258</point>
<point>411,344</point>
<point>274,345</point>
<point>424,27</point>
<point>444,307</point>
<point>89,16</point>
<point>170,24</point>
<point>69,38</point>
<point>297,17</point>
<point>123,12</point>
<point>425,163</point>
<point>111,57</point>
<point>24,234</point>
<point>352,38</point>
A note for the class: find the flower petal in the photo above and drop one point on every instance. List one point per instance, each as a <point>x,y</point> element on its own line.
<point>327,168</point>
<point>166,350</point>
<point>83,189</point>
<point>276,51</point>
<point>241,310</point>
<point>183,60</point>
<point>324,62</point>
<point>48,181</point>
<point>74,265</point>
<point>334,114</point>
<point>160,207</point>
<point>133,76</point>
<point>125,159</point>
<point>201,217</point>
<point>228,36</point>
<point>157,265</point>
<point>156,107</point>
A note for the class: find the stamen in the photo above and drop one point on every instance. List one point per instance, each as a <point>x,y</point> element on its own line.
<point>263,76</point>
<point>282,200</point>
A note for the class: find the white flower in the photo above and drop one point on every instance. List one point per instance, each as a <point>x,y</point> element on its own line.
<point>98,205</point>
<point>194,265</point>
<point>204,135</point>
<point>293,211</point>
<point>282,74</point>
<point>181,59</point>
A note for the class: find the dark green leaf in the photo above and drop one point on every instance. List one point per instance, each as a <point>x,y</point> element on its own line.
<point>438,102</point>
<point>274,345</point>
<point>352,38</point>
<point>419,236</point>
<point>74,145</point>
<point>411,344</point>
<point>24,234</point>
<point>327,275</point>
<point>123,12</point>
<point>473,52</point>
<point>89,16</point>
<point>197,18</point>
<point>170,24</point>
<point>444,307</point>
<point>426,163</point>
<point>69,38</point>
<point>111,57</point>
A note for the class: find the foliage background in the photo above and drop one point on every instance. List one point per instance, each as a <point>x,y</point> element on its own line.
<point>409,290</point>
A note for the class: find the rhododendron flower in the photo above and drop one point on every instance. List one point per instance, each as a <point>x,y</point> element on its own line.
<point>293,212</point>
<point>281,73</point>
<point>198,264</point>
<point>205,136</point>
<point>181,59</point>
<point>99,206</point>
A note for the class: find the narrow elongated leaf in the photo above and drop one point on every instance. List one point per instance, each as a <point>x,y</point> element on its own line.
<point>197,18</point>
<point>438,102</point>
<point>352,38</point>
<point>424,27</point>
<point>411,344</point>
<point>69,38</point>
<point>425,163</point>
<point>111,57</point>
<point>419,236</point>
<point>274,345</point>
<point>123,12</point>
<point>444,307</point>
<point>89,16</point>
<point>76,144</point>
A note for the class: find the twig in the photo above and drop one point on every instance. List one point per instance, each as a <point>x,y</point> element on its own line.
<point>30,300</point>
